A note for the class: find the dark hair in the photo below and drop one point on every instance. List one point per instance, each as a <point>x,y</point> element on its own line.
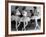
<point>12,13</point>
<point>31,11</point>
<point>34,7</point>
<point>23,8</point>
<point>16,7</point>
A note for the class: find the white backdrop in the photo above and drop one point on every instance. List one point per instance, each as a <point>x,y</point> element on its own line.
<point>2,19</point>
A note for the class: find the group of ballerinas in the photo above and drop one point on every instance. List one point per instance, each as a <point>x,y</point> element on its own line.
<point>21,19</point>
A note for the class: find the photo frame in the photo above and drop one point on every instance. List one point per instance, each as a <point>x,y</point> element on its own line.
<point>10,7</point>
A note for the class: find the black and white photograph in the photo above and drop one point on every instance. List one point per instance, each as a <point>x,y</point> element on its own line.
<point>25,18</point>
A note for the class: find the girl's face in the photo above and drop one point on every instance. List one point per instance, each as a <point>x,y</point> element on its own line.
<point>24,13</point>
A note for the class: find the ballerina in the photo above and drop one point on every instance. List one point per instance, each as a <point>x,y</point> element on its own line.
<point>24,19</point>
